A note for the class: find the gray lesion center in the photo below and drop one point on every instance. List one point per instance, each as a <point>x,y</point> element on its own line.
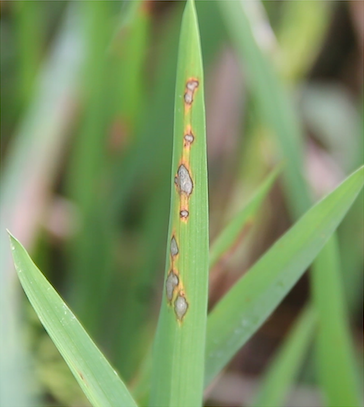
<point>184,214</point>
<point>180,307</point>
<point>171,283</point>
<point>184,180</point>
<point>191,86</point>
<point>174,247</point>
<point>189,138</point>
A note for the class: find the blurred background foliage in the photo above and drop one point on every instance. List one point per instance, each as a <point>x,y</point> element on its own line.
<point>87,92</point>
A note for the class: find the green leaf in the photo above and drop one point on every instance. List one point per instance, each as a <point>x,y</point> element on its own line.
<point>98,380</point>
<point>278,112</point>
<point>85,174</point>
<point>334,347</point>
<point>127,95</point>
<point>30,169</point>
<point>273,103</point>
<point>28,34</point>
<point>236,228</point>
<point>282,371</point>
<point>248,304</point>
<point>302,29</point>
<point>179,346</point>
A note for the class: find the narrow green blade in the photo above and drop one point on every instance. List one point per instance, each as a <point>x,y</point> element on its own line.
<point>248,304</point>
<point>30,168</point>
<point>85,174</point>
<point>236,228</point>
<point>28,33</point>
<point>272,101</point>
<point>282,371</point>
<point>97,378</point>
<point>179,347</point>
<point>333,328</point>
<point>278,112</point>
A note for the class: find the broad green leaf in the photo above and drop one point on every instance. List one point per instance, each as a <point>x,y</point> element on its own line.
<point>282,371</point>
<point>97,378</point>
<point>253,298</point>
<point>236,228</point>
<point>334,347</point>
<point>179,347</point>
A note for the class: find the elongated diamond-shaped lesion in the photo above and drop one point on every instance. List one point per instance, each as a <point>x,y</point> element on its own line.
<point>171,283</point>
<point>174,247</point>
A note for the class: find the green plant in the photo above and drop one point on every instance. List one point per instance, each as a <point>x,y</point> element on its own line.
<point>233,321</point>
<point>191,346</point>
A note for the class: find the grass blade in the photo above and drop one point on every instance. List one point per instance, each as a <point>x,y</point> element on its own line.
<point>129,51</point>
<point>98,380</point>
<point>272,101</point>
<point>278,112</point>
<point>178,365</point>
<point>282,371</point>
<point>85,175</point>
<point>340,390</point>
<point>128,58</point>
<point>230,235</point>
<point>300,36</point>
<point>28,20</point>
<point>30,169</point>
<point>247,305</point>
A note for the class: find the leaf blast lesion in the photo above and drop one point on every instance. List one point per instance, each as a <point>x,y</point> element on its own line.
<point>185,185</point>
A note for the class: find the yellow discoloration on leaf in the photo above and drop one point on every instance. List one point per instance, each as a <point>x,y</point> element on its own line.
<point>184,183</point>
<point>180,339</point>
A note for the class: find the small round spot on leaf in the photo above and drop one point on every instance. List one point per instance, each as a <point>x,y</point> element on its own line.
<point>184,214</point>
<point>189,138</point>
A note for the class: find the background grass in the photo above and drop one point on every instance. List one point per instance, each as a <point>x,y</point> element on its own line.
<point>87,122</point>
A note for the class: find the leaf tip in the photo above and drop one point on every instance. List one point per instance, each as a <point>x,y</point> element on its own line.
<point>12,239</point>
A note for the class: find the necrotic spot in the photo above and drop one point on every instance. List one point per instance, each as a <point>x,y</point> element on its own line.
<point>171,283</point>
<point>180,307</point>
<point>188,98</point>
<point>184,214</point>
<point>184,180</point>
<point>189,138</point>
<point>174,247</point>
<point>192,85</point>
